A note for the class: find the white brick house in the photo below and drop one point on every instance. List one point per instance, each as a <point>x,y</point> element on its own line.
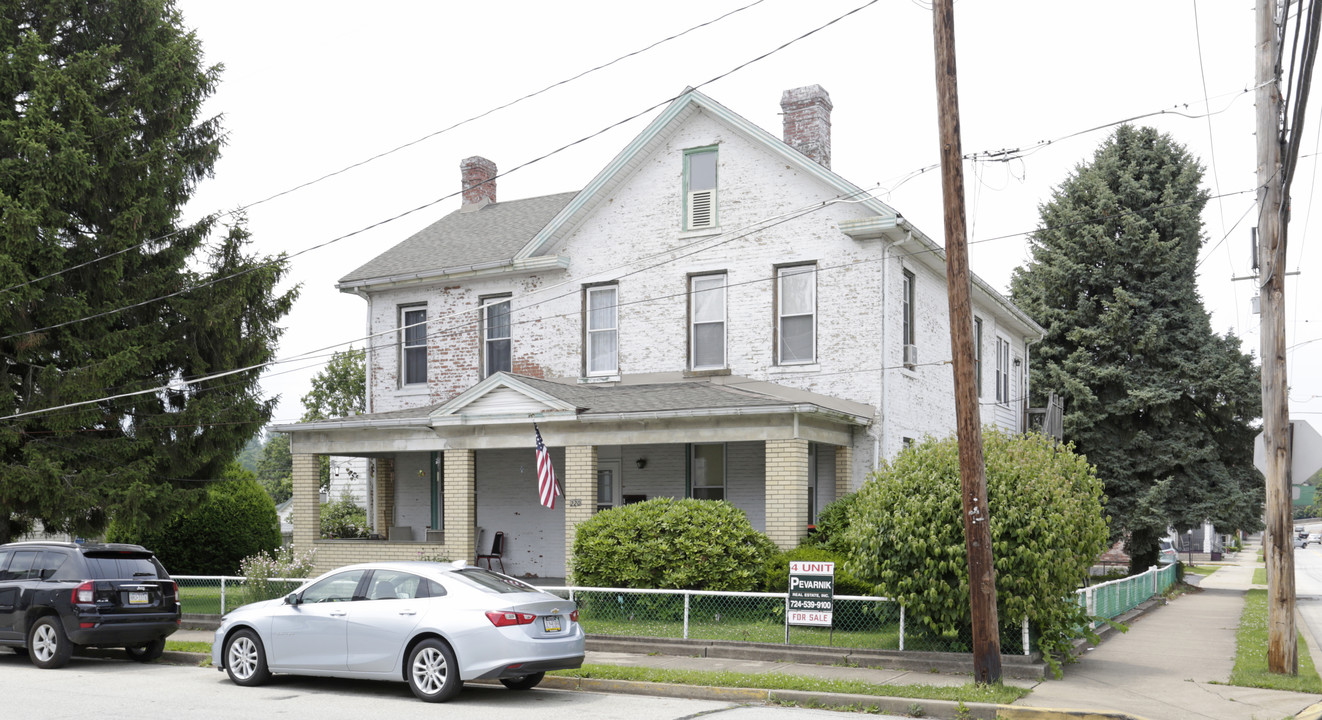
<point>717,314</point>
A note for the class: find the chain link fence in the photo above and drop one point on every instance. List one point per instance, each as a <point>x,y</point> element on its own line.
<point>218,594</point>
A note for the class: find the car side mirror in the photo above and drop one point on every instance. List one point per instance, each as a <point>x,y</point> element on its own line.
<point>293,599</point>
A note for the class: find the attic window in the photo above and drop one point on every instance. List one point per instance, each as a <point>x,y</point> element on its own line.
<point>700,188</point>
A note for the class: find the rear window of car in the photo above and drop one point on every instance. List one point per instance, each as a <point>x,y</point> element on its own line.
<point>121,566</point>
<point>488,580</point>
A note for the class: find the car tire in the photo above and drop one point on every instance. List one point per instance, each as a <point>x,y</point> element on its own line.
<point>245,659</point>
<point>433,672</point>
<point>48,646</point>
<point>523,682</point>
<point>146,652</point>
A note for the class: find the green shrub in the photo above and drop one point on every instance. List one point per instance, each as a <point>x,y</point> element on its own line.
<point>833,525</point>
<point>665,543</point>
<point>1047,527</point>
<point>776,572</point>
<point>344,519</point>
<point>237,519</point>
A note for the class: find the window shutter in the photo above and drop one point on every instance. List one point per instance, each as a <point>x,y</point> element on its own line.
<point>700,208</point>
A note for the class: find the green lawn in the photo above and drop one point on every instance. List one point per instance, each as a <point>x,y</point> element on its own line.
<point>1260,576</point>
<point>969,692</point>
<point>1251,653</point>
<point>1200,569</point>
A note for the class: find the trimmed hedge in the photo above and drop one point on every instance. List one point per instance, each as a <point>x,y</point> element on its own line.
<point>665,543</point>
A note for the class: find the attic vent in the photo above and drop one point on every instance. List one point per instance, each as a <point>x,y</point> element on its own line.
<point>700,208</point>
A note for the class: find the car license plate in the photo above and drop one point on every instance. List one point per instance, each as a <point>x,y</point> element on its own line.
<point>551,623</point>
<point>139,598</point>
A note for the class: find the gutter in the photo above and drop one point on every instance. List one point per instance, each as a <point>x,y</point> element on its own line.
<point>797,409</point>
<point>381,424</point>
<point>494,267</point>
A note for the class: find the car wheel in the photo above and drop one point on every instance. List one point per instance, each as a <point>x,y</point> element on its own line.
<point>523,682</point>
<point>433,672</point>
<point>245,659</point>
<point>48,646</point>
<point>147,652</point>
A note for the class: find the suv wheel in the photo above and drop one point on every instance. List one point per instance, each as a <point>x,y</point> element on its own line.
<point>48,646</point>
<point>146,653</point>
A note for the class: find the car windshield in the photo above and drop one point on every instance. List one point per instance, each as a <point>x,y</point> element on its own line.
<point>488,580</point>
<point>120,566</point>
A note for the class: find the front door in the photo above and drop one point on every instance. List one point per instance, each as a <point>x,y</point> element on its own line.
<point>610,486</point>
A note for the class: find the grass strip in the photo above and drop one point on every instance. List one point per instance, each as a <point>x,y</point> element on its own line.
<point>1251,653</point>
<point>188,646</point>
<point>1260,576</point>
<point>968,692</point>
<point>1200,569</point>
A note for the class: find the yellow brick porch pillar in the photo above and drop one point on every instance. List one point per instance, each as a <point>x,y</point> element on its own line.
<point>844,470</point>
<point>460,505</point>
<point>385,495</point>
<point>307,500</point>
<point>580,499</point>
<point>787,491</point>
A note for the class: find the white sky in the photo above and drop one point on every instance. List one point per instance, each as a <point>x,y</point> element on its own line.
<point>312,87</point>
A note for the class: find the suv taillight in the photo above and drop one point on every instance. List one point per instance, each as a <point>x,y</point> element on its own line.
<point>84,594</point>
<point>505,619</point>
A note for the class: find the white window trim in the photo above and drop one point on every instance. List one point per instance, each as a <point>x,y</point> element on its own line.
<point>486,341</point>
<point>589,331</point>
<point>707,196</point>
<point>908,329</point>
<point>977,353</point>
<point>1002,371</point>
<point>781,272</point>
<point>404,348</point>
<point>693,324</point>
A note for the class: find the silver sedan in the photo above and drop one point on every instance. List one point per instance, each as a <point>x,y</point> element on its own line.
<point>432,625</point>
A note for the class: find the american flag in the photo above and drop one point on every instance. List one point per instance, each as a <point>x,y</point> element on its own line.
<point>547,489</point>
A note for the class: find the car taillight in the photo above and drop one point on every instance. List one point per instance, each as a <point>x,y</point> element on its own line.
<point>573,616</point>
<point>84,594</point>
<point>504,619</point>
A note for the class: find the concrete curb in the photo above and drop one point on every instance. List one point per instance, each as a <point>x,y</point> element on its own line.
<point>1312,712</point>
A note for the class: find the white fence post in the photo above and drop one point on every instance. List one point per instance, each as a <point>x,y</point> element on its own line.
<point>686,616</point>
<point>1025,634</point>
<point>222,594</point>
<point>901,628</point>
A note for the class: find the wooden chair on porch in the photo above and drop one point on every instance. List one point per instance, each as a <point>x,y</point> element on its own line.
<point>497,551</point>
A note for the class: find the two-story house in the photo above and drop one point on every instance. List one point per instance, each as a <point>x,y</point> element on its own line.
<point>715,315</point>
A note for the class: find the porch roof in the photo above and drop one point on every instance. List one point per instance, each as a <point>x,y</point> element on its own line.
<point>663,407</point>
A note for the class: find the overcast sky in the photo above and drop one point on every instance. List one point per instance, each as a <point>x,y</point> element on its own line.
<point>310,88</point>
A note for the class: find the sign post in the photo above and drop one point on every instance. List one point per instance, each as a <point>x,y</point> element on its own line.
<point>811,595</point>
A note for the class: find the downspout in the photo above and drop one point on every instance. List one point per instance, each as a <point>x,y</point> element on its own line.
<point>885,417</point>
<point>367,407</point>
<point>1023,409</point>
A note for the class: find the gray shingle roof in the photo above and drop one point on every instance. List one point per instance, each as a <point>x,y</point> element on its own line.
<point>660,397</point>
<point>493,233</point>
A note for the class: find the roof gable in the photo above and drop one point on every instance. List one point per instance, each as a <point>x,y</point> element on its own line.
<point>502,398</point>
<point>691,101</point>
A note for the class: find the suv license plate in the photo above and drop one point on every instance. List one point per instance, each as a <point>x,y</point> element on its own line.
<point>139,598</point>
<point>551,623</point>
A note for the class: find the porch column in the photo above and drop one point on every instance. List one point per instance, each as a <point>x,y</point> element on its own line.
<point>460,508</point>
<point>385,495</point>
<point>580,494</point>
<point>306,476</point>
<point>844,470</point>
<point>787,491</point>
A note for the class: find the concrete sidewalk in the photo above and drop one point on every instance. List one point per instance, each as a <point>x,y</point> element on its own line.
<point>1171,665</point>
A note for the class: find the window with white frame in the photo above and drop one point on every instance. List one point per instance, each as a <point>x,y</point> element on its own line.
<point>707,322</point>
<point>796,314</point>
<point>497,353</point>
<point>1002,370</point>
<point>700,188</point>
<point>977,354</point>
<point>908,330</point>
<point>601,330</point>
<point>413,345</point>
<point>707,471</point>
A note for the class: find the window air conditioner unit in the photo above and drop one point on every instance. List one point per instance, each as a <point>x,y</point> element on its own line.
<point>910,356</point>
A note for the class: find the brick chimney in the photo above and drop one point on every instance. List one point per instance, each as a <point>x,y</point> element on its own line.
<point>476,174</point>
<point>807,112</point>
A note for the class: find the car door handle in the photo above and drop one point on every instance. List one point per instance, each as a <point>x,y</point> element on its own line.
<point>341,613</point>
<point>408,612</point>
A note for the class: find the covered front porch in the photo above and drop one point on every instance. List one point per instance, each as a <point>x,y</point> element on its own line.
<point>444,479</point>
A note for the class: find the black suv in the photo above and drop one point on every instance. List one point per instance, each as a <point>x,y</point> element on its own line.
<point>56,596</point>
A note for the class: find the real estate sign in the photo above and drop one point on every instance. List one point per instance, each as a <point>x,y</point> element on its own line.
<point>811,593</point>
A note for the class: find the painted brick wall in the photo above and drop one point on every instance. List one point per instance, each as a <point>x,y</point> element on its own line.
<point>507,502</point>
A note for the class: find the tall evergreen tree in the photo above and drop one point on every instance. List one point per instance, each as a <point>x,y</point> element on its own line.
<point>1161,404</point>
<point>101,144</point>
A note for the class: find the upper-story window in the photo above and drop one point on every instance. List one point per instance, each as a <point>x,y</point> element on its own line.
<point>497,354</point>
<point>977,354</point>
<point>1002,370</point>
<point>700,188</point>
<point>601,330</point>
<point>908,308</point>
<point>796,314</point>
<point>413,345</point>
<point>707,322</point>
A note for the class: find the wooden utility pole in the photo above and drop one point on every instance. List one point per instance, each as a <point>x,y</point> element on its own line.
<point>1282,647</point>
<point>972,475</point>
